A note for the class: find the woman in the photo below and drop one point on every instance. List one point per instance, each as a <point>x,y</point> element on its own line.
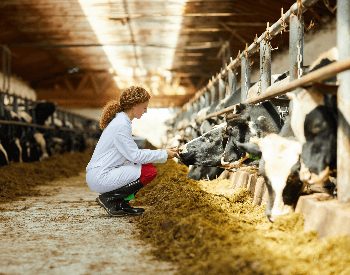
<point>118,168</point>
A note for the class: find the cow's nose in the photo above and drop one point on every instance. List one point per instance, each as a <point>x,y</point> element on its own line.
<point>270,218</point>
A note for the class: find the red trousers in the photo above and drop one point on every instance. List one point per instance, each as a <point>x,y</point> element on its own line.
<point>148,173</point>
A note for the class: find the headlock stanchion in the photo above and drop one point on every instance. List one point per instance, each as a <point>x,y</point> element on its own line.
<point>343,139</point>
<point>14,102</point>
<point>293,19</point>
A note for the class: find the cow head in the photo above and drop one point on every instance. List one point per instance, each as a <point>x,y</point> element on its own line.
<point>205,150</point>
<point>279,164</point>
<point>314,124</point>
<point>218,146</point>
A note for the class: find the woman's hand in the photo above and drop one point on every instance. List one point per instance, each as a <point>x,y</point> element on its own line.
<point>172,152</point>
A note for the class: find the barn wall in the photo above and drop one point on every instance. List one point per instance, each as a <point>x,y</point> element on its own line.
<point>314,44</point>
<point>151,126</point>
<point>19,87</point>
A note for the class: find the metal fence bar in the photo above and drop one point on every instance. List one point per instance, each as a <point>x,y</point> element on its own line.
<point>296,46</point>
<point>15,104</point>
<point>265,66</point>
<point>222,89</point>
<point>245,77</point>
<point>275,29</point>
<point>213,91</point>
<point>207,99</point>
<point>343,141</point>
<point>316,76</point>
<point>2,105</point>
<point>232,81</point>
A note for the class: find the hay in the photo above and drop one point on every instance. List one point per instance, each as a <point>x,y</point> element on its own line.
<point>207,229</point>
<point>19,179</point>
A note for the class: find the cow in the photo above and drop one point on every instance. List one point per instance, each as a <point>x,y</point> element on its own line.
<point>10,135</point>
<point>314,123</point>
<point>279,164</point>
<point>305,150</point>
<point>201,172</point>
<point>217,147</point>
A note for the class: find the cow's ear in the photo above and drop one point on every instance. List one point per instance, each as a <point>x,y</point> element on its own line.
<point>291,96</point>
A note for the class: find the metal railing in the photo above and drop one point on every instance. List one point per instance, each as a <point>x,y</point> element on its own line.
<point>79,123</point>
<point>294,19</point>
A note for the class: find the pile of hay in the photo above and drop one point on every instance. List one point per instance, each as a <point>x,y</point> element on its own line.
<point>207,230</point>
<point>19,179</point>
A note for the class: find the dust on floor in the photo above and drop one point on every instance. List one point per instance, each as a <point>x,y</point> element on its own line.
<point>64,231</point>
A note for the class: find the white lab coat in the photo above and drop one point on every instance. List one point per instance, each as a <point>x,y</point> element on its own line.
<point>117,160</point>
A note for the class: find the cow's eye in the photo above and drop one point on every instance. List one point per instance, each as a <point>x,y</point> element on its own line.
<point>318,126</point>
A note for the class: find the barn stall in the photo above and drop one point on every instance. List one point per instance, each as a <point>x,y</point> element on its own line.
<point>80,54</point>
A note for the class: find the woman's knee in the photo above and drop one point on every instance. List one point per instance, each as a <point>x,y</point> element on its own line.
<point>148,173</point>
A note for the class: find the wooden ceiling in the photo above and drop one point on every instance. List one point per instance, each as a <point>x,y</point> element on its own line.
<point>81,53</point>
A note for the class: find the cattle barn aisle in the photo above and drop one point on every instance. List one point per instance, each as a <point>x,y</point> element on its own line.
<point>66,232</point>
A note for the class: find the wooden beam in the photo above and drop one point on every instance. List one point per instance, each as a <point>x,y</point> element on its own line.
<point>202,45</point>
<point>201,82</point>
<point>106,84</point>
<point>247,24</point>
<point>68,84</point>
<point>82,83</point>
<point>202,30</point>
<point>94,83</point>
<point>234,33</point>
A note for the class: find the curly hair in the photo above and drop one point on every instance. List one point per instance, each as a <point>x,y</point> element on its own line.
<point>130,97</point>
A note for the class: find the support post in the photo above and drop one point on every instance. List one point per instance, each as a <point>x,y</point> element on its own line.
<point>207,98</point>
<point>2,105</point>
<point>296,41</point>
<point>343,139</point>
<point>214,94</point>
<point>245,77</point>
<point>222,89</point>
<point>265,66</point>
<point>15,104</point>
<point>232,81</point>
<point>26,107</point>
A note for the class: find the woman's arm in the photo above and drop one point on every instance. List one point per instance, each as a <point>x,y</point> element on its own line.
<point>128,148</point>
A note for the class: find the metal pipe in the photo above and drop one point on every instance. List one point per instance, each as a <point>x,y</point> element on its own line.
<point>214,94</point>
<point>316,76</point>
<point>26,108</point>
<point>3,68</point>
<point>296,46</point>
<point>222,89</point>
<point>207,98</point>
<point>15,104</point>
<point>274,29</point>
<point>245,77</point>
<point>343,139</point>
<point>2,106</point>
<point>8,70</point>
<point>232,81</point>
<point>265,66</point>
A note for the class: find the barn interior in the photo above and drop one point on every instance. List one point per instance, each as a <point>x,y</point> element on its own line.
<point>80,54</point>
<point>83,53</point>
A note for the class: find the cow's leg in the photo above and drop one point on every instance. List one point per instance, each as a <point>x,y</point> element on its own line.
<point>4,158</point>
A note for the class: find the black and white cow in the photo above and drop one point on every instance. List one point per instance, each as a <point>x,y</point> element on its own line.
<point>218,146</point>
<point>305,150</point>
<point>201,172</point>
<point>314,123</point>
<point>279,165</point>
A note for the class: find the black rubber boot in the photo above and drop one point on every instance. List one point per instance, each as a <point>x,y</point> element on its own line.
<point>112,201</point>
<point>110,205</point>
<point>127,208</point>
